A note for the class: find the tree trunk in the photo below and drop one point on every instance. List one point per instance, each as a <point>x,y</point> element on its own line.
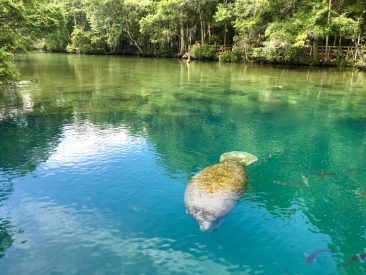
<point>315,50</point>
<point>327,37</point>
<point>182,38</point>
<point>202,27</point>
<point>225,26</point>
<point>131,38</point>
<point>209,33</point>
<point>359,53</point>
<point>225,30</point>
<point>189,54</point>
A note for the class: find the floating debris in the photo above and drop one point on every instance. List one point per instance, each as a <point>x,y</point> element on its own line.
<point>23,83</point>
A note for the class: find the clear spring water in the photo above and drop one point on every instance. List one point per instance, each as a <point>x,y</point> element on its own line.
<point>95,158</point>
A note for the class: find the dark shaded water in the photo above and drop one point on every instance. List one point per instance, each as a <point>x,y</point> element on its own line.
<point>95,157</point>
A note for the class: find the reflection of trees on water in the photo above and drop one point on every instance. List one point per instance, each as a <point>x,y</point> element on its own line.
<point>193,113</point>
<point>27,139</point>
<point>6,187</point>
<point>5,237</point>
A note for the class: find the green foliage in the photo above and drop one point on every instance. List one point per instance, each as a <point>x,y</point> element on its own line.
<point>22,23</point>
<point>203,52</point>
<point>235,55</point>
<point>80,41</point>
<point>224,13</point>
<point>6,69</point>
<point>84,42</point>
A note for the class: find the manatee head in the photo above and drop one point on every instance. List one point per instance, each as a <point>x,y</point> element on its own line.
<point>205,219</point>
<point>205,226</point>
<point>209,216</point>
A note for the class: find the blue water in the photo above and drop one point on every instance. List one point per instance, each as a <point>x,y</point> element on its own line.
<point>95,158</point>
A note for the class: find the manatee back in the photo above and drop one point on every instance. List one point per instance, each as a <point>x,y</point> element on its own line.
<point>228,175</point>
<point>243,158</point>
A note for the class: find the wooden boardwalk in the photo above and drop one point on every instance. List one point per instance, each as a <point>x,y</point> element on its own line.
<point>336,52</point>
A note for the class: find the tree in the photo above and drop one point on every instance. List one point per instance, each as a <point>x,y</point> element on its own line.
<point>21,23</point>
<point>224,15</point>
<point>116,20</point>
<point>165,24</point>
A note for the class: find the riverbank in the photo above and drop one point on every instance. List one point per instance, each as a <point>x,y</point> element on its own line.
<point>344,58</point>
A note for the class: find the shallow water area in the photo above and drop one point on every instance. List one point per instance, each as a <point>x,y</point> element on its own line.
<point>95,158</point>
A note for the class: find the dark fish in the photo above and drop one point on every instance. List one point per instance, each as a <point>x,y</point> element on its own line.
<point>325,174</point>
<point>309,259</point>
<point>291,211</point>
<point>357,257</point>
<point>354,170</point>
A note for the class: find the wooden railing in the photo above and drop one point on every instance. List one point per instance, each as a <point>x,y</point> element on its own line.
<point>336,50</point>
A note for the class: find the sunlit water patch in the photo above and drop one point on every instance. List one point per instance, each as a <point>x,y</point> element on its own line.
<point>95,158</point>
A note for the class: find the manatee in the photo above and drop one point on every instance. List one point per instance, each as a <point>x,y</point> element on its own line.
<point>215,190</point>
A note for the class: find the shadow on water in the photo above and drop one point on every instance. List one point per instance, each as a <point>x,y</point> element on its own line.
<point>190,129</point>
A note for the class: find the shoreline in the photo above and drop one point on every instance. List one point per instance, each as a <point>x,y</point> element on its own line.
<point>216,60</point>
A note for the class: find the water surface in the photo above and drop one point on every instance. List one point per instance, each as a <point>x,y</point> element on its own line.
<point>95,158</point>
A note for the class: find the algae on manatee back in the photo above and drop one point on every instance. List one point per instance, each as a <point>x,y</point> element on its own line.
<point>228,175</point>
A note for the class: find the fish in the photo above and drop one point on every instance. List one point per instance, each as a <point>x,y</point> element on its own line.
<point>325,174</point>
<point>360,193</point>
<point>309,259</point>
<point>305,180</point>
<point>269,156</point>
<point>214,191</point>
<point>358,257</point>
<point>137,208</point>
<point>291,211</point>
<point>287,183</point>
<point>354,170</point>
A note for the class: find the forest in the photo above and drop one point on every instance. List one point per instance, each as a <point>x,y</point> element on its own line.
<point>312,32</point>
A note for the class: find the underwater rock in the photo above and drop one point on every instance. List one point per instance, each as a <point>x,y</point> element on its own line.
<point>23,83</point>
<point>215,190</point>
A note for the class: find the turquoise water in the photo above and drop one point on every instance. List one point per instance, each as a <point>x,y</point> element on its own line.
<point>95,158</point>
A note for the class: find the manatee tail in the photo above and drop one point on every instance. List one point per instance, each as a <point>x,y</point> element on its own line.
<point>242,157</point>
